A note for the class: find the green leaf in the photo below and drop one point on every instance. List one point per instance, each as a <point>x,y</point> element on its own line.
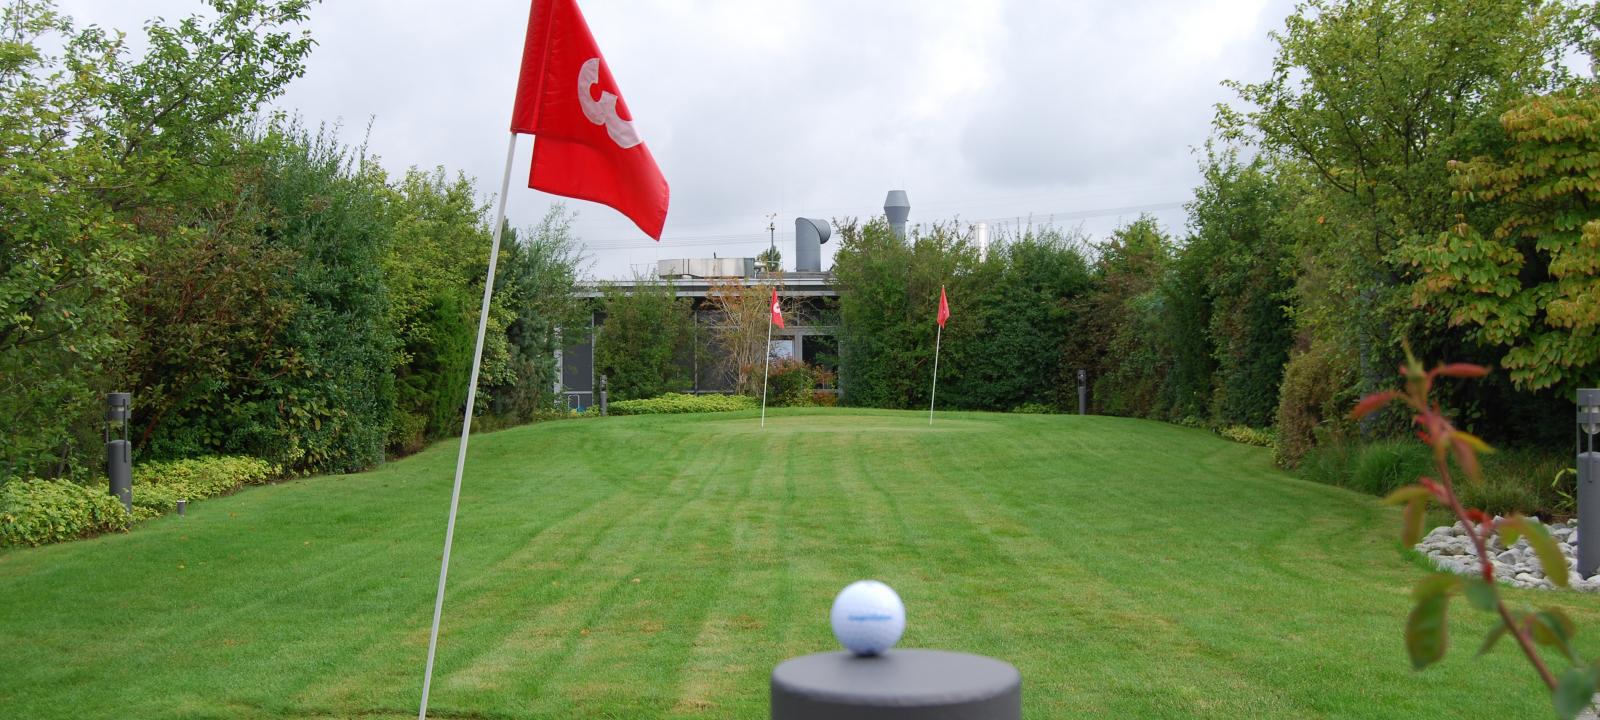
<point>1427,634</point>
<point>1436,584</point>
<point>1482,595</point>
<point>1407,494</point>
<point>1552,627</point>
<point>1550,557</point>
<point>1574,691</point>
<point>1498,631</point>
<point>1411,522</point>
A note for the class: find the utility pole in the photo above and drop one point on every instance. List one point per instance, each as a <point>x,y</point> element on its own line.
<point>772,240</point>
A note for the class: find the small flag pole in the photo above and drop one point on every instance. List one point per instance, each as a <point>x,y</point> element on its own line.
<point>466,424</point>
<point>937,340</point>
<point>766,368</point>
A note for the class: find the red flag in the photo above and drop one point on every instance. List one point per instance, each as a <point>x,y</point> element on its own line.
<point>587,147</point>
<point>944,307</point>
<point>777,312</point>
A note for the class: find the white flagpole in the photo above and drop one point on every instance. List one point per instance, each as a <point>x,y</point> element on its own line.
<point>466,423</point>
<point>937,339</point>
<point>766,368</point>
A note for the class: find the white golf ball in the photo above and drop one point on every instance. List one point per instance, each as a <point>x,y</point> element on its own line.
<point>868,617</point>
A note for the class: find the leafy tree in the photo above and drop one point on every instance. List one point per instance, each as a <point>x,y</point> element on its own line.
<point>538,272</point>
<point>740,314</point>
<point>1240,253</point>
<point>97,149</point>
<point>1122,342</point>
<point>889,291</point>
<point>1375,97</point>
<point>327,405</point>
<point>770,259</point>
<point>1016,314</point>
<point>434,269</point>
<point>1531,284</point>
<point>646,337</point>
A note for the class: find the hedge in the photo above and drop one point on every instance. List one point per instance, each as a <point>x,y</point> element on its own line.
<point>157,487</point>
<point>36,512</point>
<point>671,403</point>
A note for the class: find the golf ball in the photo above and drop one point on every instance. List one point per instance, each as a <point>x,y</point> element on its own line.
<point>868,617</point>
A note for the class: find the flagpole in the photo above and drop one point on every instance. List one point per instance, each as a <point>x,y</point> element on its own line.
<point>937,340</point>
<point>466,423</point>
<point>765,369</point>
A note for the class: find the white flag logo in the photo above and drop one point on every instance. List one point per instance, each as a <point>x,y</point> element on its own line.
<point>604,110</point>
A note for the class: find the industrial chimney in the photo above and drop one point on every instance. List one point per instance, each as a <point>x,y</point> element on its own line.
<point>983,241</point>
<point>809,235</point>
<point>897,208</point>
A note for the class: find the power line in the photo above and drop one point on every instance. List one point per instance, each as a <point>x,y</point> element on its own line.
<point>1041,219</point>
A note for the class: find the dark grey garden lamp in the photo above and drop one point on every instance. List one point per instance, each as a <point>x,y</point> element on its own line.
<point>1588,481</point>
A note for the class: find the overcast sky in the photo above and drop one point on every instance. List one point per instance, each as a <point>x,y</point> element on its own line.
<point>1084,111</point>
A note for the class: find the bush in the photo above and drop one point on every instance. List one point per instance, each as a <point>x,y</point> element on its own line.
<point>823,398</point>
<point>157,487</point>
<point>1514,481</point>
<point>1033,408</point>
<point>1317,390</point>
<point>791,383</point>
<point>673,403</point>
<point>1260,437</point>
<point>36,512</point>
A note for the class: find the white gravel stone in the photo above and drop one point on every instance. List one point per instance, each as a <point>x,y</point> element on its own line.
<point>1452,551</point>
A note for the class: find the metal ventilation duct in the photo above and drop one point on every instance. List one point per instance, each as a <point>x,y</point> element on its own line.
<point>897,207</point>
<point>809,235</point>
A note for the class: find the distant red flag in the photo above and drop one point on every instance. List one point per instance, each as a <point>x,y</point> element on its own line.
<point>777,311</point>
<point>944,307</point>
<point>586,147</point>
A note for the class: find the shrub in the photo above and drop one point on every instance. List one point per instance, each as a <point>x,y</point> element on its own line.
<point>1033,408</point>
<point>35,512</point>
<point>1260,437</point>
<point>673,403</point>
<point>1382,467</point>
<point>823,398</point>
<point>157,487</point>
<point>1315,394</point>
<point>790,383</point>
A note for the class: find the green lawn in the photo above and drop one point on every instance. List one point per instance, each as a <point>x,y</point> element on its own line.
<point>660,566</point>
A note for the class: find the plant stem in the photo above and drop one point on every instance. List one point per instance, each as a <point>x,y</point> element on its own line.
<point>1516,629</point>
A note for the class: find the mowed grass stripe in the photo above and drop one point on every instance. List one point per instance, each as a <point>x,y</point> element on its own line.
<point>1128,568</point>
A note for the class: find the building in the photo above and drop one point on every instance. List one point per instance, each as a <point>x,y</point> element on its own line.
<point>810,301</point>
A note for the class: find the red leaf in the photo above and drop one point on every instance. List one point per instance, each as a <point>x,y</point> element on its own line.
<point>1460,370</point>
<point>1372,402</point>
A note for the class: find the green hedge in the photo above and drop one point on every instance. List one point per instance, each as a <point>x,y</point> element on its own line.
<point>1249,436</point>
<point>670,403</point>
<point>157,487</point>
<point>36,512</point>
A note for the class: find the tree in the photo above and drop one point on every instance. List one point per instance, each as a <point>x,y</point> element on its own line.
<point>888,292</point>
<point>646,338</point>
<point>741,313</point>
<point>95,153</point>
<point>534,287</point>
<point>770,259</point>
<point>1239,252</point>
<point>1375,97</point>
<point>1017,312</point>
<point>1532,283</point>
<point>434,270</point>
<point>1122,343</point>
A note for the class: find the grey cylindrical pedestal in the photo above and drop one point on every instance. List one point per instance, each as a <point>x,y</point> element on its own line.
<point>119,466</point>
<point>899,685</point>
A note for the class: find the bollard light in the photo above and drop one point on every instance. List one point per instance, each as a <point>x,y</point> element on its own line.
<point>1588,481</point>
<point>119,452</point>
<point>1083,392</point>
